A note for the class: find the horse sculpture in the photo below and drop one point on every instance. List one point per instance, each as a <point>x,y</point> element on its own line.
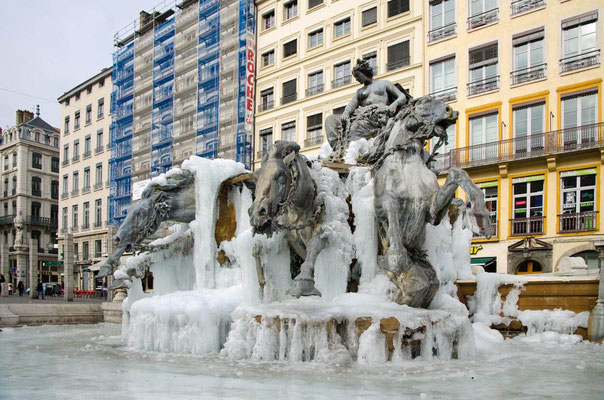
<point>286,199</point>
<point>407,196</point>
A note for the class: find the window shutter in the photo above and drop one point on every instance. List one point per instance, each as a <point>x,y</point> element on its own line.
<point>288,125</point>
<point>314,121</point>
<point>289,88</point>
<point>314,3</point>
<point>527,37</point>
<point>580,19</point>
<point>267,131</point>
<point>396,7</point>
<point>290,48</point>
<point>398,52</point>
<point>483,56</point>
<point>370,16</point>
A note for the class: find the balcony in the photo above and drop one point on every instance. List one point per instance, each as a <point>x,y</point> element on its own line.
<point>65,162</point>
<point>446,95</point>
<point>75,158</point>
<point>520,6</point>
<point>7,219</point>
<point>579,222</point>
<point>97,224</point>
<point>266,105</point>
<point>75,192</point>
<point>391,66</point>
<point>528,74</point>
<point>85,226</point>
<point>527,226</point>
<point>486,18</point>
<point>345,80</point>
<point>311,91</point>
<point>484,85</point>
<point>87,154</point>
<point>442,32</point>
<point>99,149</point>
<point>580,61</point>
<point>86,189</point>
<point>289,98</point>
<point>313,141</point>
<point>98,185</point>
<point>537,145</point>
<point>42,221</point>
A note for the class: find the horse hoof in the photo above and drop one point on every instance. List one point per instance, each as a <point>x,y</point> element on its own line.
<point>303,287</point>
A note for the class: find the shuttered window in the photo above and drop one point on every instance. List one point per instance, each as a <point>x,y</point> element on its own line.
<point>314,121</point>
<point>289,91</point>
<point>398,55</point>
<point>483,56</point>
<point>370,16</point>
<point>396,7</point>
<point>290,48</point>
<point>314,3</point>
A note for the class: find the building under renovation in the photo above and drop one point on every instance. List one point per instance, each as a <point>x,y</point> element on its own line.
<point>183,84</point>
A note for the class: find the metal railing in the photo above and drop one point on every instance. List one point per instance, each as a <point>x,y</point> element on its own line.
<point>85,226</point>
<point>74,228</point>
<point>579,61</point>
<point>391,66</point>
<point>75,158</point>
<point>527,226</point>
<point>64,195</point>
<point>528,74</point>
<point>484,85</point>
<point>65,162</point>
<point>536,145</point>
<point>7,219</point>
<point>445,95</point>
<point>37,193</point>
<point>86,189</point>
<point>87,154</point>
<point>289,98</point>
<point>313,141</point>
<point>578,222</point>
<point>311,91</point>
<point>42,221</point>
<point>98,149</point>
<point>98,185</point>
<point>521,6</point>
<point>345,80</point>
<point>97,224</point>
<point>442,32</point>
<point>485,18</point>
<point>75,192</point>
<point>266,105</point>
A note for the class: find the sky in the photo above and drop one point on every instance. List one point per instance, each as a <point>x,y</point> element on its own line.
<point>47,47</point>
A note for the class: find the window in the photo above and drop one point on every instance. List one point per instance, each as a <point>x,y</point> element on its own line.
<point>529,61</point>
<point>76,253</point>
<point>288,131</point>
<point>75,182</point>
<point>314,129</point>
<point>369,16</point>
<point>341,74</point>
<point>35,209</point>
<point>14,191</point>
<point>65,184</point>
<point>65,154</point>
<point>64,219</point>
<point>529,124</point>
<point>267,100</point>
<point>528,205</point>
<point>77,96</point>
<point>98,178</point>
<point>443,79</point>
<point>579,42</point>
<point>76,120</point>
<point>315,38</point>
<point>268,20</point>
<point>89,90</point>
<point>266,139</point>
<point>290,48</point>
<point>579,113</point>
<point>36,160</point>
<point>74,216</point>
<point>398,55</point>
<point>482,12</point>
<point>98,210</point>
<point>483,130</point>
<point>87,146</point>
<point>445,148</point>
<point>76,150</point>
<point>442,19</point>
<point>97,248</point>
<point>99,141</point>
<point>396,7</point>
<point>371,58</point>
<point>290,9</point>
<point>315,83</point>
<point>578,200</point>
<point>102,83</point>
<point>88,114</point>
<point>66,126</point>
<point>339,110</point>
<point>14,159</point>
<point>36,186</point>
<point>342,27</point>
<point>54,164</point>
<point>483,69</point>
<point>268,58</point>
<point>6,162</point>
<point>86,215</point>
<point>86,184</point>
<point>54,216</point>
<point>490,191</point>
<point>85,252</point>
<point>314,3</point>
<point>100,111</point>
<point>289,91</point>
<point>54,190</point>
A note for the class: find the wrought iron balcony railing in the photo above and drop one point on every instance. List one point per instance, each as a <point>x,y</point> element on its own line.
<point>42,221</point>
<point>7,219</point>
<point>86,189</point>
<point>338,82</point>
<point>579,61</point>
<point>484,85</point>
<point>521,6</point>
<point>98,185</point>
<point>87,154</point>
<point>64,195</point>
<point>98,149</point>
<point>391,66</point>
<point>311,91</point>
<point>266,105</point>
<point>485,18</point>
<point>442,32</point>
<point>446,95</point>
<point>313,141</point>
<point>528,74</point>
<point>578,222</point>
<point>289,98</point>
<point>527,226</point>
<point>75,158</point>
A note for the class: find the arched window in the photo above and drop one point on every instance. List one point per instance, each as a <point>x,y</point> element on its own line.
<point>37,136</point>
<point>529,267</point>
<point>55,141</point>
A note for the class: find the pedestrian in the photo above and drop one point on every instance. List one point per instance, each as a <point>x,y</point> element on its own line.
<point>2,280</point>
<point>20,288</point>
<point>10,288</point>
<point>40,289</point>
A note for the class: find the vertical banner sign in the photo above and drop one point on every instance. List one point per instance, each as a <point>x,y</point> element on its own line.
<point>250,73</point>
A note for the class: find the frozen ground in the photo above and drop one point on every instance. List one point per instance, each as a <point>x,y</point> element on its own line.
<point>90,361</point>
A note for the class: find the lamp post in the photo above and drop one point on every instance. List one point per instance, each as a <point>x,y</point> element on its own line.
<point>596,320</point>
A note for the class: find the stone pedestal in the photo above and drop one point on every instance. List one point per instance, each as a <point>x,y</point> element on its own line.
<point>595,330</point>
<point>33,270</point>
<point>4,268</point>
<point>68,266</point>
<point>22,267</point>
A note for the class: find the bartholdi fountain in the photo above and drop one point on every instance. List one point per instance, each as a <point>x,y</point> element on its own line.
<point>300,262</point>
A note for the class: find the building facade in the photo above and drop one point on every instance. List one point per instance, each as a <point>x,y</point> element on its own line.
<point>30,193</point>
<point>84,174</point>
<point>306,52</point>
<point>526,77</point>
<point>183,84</point>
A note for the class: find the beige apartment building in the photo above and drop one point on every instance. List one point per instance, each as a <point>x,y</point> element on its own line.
<point>84,174</point>
<point>306,50</point>
<point>526,77</point>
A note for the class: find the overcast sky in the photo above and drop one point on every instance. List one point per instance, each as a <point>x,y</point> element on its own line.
<point>49,46</point>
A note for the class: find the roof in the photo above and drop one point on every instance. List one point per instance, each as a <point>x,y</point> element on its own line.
<point>38,122</point>
<point>101,75</point>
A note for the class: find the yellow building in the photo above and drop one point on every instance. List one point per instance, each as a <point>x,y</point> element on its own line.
<point>526,77</point>
<point>306,50</point>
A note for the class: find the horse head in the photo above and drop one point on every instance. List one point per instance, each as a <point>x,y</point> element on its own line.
<point>430,118</point>
<point>281,182</point>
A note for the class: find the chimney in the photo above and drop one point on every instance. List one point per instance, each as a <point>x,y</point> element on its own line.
<point>19,117</point>
<point>27,115</point>
<point>144,18</point>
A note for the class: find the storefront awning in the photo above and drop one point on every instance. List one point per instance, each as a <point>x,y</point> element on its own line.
<point>482,260</point>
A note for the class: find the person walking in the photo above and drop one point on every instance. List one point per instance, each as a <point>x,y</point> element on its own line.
<point>40,289</point>
<point>2,280</point>
<point>10,288</point>
<point>20,288</point>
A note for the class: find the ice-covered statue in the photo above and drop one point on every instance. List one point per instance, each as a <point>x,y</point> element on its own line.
<point>367,112</point>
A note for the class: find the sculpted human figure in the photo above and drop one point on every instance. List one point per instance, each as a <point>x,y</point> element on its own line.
<point>20,240</point>
<point>367,112</point>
